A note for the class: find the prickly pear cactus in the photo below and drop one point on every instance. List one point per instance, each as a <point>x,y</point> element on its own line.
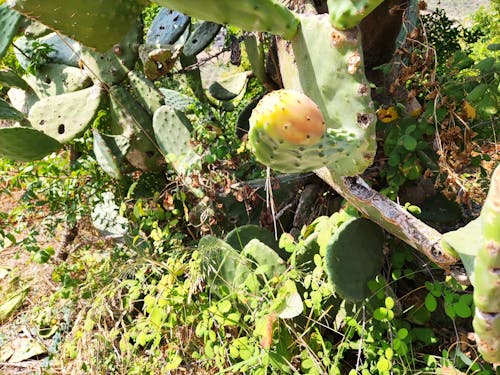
<point>218,262</point>
<point>7,112</point>
<point>201,37</point>
<point>239,237</point>
<point>9,78</point>
<point>56,79</point>
<point>167,27</point>
<point>130,120</point>
<point>328,68</point>
<point>145,91</point>
<point>487,276</point>
<point>9,22</point>
<point>63,50</point>
<point>98,24</point>
<point>26,144</point>
<point>176,100</point>
<point>354,256</point>
<point>66,116</point>
<point>113,65</point>
<point>345,14</point>
<point>173,134</point>
<point>252,15</point>
<point>289,134</point>
<point>109,151</point>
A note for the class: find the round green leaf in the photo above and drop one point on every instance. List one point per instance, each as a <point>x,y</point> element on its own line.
<point>430,302</point>
<point>409,142</point>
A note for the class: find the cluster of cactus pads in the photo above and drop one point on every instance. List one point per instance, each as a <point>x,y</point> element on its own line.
<point>346,143</point>
<point>324,117</point>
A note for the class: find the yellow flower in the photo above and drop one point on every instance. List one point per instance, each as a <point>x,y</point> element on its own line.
<point>388,114</point>
<point>470,111</point>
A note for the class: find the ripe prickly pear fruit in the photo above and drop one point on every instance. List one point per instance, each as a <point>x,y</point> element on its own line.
<point>289,116</point>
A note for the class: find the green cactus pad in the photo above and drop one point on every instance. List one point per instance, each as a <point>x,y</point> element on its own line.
<point>145,91</point>
<point>66,116</point>
<point>304,256</point>
<point>109,151</point>
<point>63,50</point>
<point>9,22</point>
<point>130,120</point>
<point>176,100</point>
<point>328,68</point>
<point>127,115</point>
<point>229,87</point>
<point>354,256</point>
<point>486,321</point>
<point>218,262</point>
<point>167,27</point>
<point>22,100</point>
<point>173,135</point>
<point>7,112</point>
<point>56,79</point>
<point>99,24</point>
<point>243,122</point>
<point>9,78</point>
<point>26,144</point>
<point>459,242</point>
<point>113,65</point>
<point>256,57</point>
<point>345,14</point>
<point>266,261</point>
<point>252,15</point>
<point>239,237</point>
<point>36,29</point>
<point>193,76</point>
<point>201,37</point>
<point>290,158</point>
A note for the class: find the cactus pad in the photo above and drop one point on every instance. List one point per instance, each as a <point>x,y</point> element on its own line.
<point>26,144</point>
<point>239,237</point>
<point>218,262</point>
<point>66,116</point>
<point>345,14</point>
<point>266,261</point>
<point>109,151</point>
<point>9,78</point>
<point>354,256</point>
<point>201,37</point>
<point>9,21</point>
<point>173,134</point>
<point>113,65</point>
<point>330,71</point>
<point>145,91</point>
<point>131,121</point>
<point>22,100</point>
<point>229,87</point>
<point>56,79</point>
<point>167,27</point>
<point>487,276</point>
<point>7,112</point>
<point>176,100</point>
<point>252,15</point>
<point>99,24</point>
